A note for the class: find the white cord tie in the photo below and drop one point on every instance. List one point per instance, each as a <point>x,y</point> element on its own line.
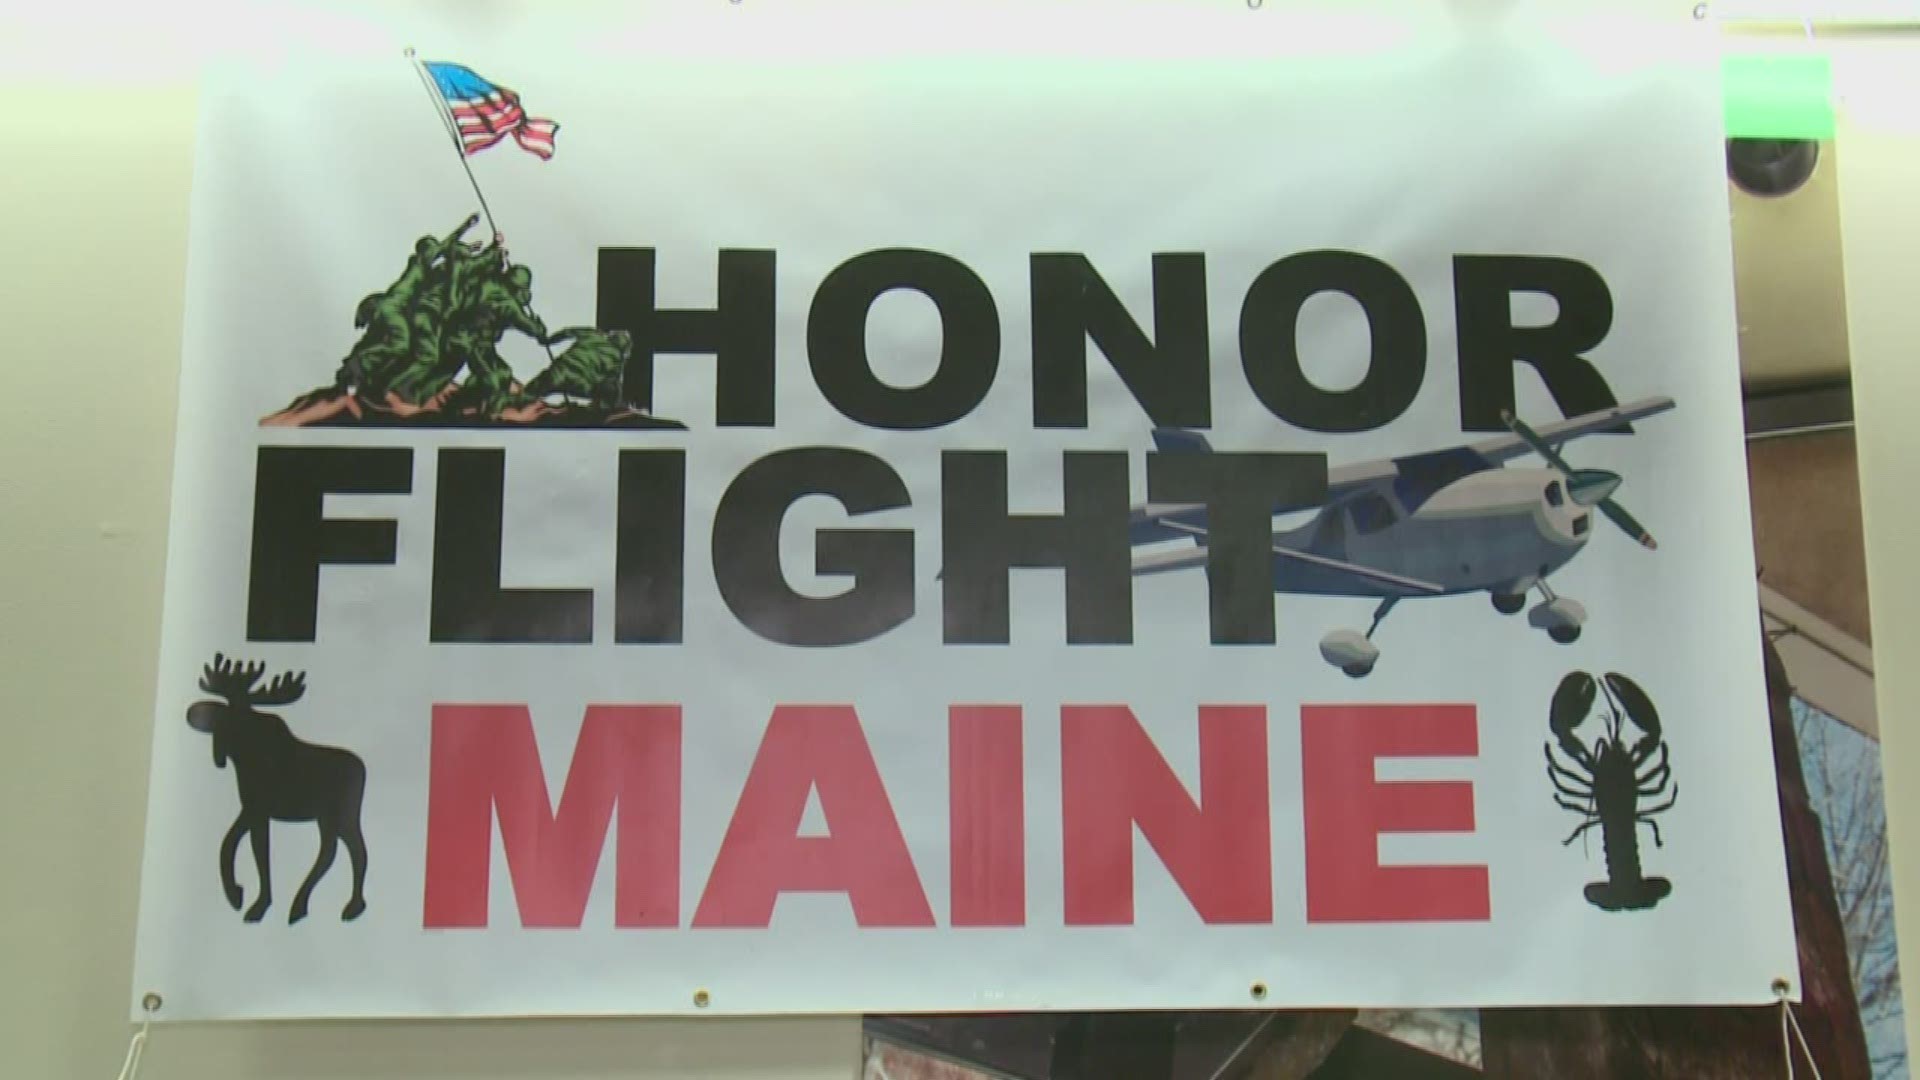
<point>137,1046</point>
<point>130,1068</point>
<point>1786,1044</point>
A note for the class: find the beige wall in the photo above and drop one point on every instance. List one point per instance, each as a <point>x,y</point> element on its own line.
<point>1878,78</point>
<point>93,186</point>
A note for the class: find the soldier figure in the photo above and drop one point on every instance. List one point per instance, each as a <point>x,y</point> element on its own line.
<point>465,305</point>
<point>592,369</point>
<point>497,302</point>
<point>446,314</point>
<point>392,320</point>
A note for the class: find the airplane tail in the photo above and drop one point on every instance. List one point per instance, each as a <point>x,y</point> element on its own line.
<point>1180,441</point>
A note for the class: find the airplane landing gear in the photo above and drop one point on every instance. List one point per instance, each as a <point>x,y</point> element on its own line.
<point>1353,652</point>
<point>1559,616</point>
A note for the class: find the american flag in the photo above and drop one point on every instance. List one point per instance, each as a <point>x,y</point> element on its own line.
<point>485,113</point>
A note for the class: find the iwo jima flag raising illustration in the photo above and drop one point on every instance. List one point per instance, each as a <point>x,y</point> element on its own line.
<point>428,350</point>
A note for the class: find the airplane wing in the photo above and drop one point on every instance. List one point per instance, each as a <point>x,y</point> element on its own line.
<point>1153,522</point>
<point>1428,471</point>
<point>1509,446</point>
<point>1185,558</point>
<point>1439,465</point>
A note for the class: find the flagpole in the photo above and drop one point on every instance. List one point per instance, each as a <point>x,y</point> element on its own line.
<point>453,133</point>
<point>441,109</point>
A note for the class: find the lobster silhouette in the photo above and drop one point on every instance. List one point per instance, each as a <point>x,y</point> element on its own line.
<point>1606,780</point>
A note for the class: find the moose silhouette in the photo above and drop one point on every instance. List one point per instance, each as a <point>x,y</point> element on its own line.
<point>280,779</point>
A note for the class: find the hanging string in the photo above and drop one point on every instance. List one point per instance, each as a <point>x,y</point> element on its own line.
<point>1786,1044</point>
<point>130,1068</point>
<point>137,1046</point>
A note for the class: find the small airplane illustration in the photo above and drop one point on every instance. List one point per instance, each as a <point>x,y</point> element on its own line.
<point>1440,523</point>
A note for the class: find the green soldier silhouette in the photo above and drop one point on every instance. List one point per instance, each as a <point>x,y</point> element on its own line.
<point>465,306</point>
<point>435,305</point>
<point>591,369</point>
<point>494,299</point>
<point>431,339</point>
<point>392,343</point>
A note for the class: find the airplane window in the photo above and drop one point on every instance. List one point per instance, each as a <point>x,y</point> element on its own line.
<point>1554,495</point>
<point>1371,513</point>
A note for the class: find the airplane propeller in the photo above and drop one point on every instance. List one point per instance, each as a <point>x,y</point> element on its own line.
<point>1588,487</point>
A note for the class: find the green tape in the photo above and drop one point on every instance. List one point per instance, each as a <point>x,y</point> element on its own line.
<point>1778,96</point>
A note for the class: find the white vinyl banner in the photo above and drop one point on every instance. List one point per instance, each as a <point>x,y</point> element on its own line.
<point>707,517</point>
